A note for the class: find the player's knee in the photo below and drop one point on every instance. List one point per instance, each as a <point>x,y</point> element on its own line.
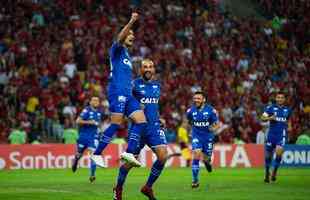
<point>279,151</point>
<point>162,154</point>
<point>162,158</point>
<point>138,117</point>
<point>196,155</point>
<point>116,119</point>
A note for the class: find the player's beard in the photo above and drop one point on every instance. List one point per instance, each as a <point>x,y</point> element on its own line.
<point>199,105</point>
<point>147,76</point>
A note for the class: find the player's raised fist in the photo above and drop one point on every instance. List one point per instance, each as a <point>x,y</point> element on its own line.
<point>134,17</point>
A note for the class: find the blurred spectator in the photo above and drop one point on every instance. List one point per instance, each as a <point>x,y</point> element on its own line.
<point>70,134</point>
<point>17,136</point>
<point>261,134</point>
<point>57,129</point>
<point>54,55</point>
<point>304,138</point>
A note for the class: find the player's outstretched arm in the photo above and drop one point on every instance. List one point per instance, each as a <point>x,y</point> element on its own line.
<point>124,32</point>
<point>80,121</point>
<point>266,117</point>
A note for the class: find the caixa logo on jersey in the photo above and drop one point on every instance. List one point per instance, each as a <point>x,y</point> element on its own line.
<point>149,100</point>
<point>281,119</point>
<point>296,156</point>
<point>201,124</point>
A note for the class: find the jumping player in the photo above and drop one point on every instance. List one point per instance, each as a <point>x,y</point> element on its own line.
<point>147,91</point>
<point>204,122</point>
<point>278,114</point>
<point>120,97</point>
<point>88,122</point>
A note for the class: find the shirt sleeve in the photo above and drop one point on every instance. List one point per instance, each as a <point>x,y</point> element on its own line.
<point>115,49</point>
<point>213,117</point>
<point>268,110</point>
<point>84,114</point>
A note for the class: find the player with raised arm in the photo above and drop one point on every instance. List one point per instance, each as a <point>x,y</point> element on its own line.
<point>121,101</point>
<point>204,121</point>
<point>88,122</point>
<point>147,91</point>
<point>278,115</point>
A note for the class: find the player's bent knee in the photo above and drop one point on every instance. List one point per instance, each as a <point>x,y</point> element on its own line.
<point>162,157</point>
<point>197,154</point>
<point>279,150</point>
<point>116,118</point>
<point>138,117</point>
<point>162,154</point>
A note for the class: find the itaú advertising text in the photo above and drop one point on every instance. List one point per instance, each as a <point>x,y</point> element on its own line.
<point>61,156</point>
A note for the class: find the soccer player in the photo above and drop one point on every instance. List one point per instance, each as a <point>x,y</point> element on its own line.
<point>88,122</point>
<point>147,91</point>
<point>121,101</point>
<point>278,114</point>
<point>204,122</point>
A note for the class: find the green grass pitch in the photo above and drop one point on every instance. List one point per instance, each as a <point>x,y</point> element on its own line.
<point>174,184</point>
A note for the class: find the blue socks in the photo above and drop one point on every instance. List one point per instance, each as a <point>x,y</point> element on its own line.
<point>122,174</point>
<point>277,164</point>
<point>156,170</point>
<point>155,173</point>
<point>133,141</point>
<point>268,159</point>
<point>106,138</point>
<point>92,168</point>
<point>134,137</point>
<point>195,170</point>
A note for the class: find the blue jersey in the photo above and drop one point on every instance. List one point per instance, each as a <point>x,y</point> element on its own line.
<point>148,93</point>
<point>278,127</point>
<point>87,130</point>
<point>202,119</point>
<point>121,70</point>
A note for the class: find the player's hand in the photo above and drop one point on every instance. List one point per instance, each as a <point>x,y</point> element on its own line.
<point>93,122</point>
<point>272,118</point>
<point>162,122</point>
<point>134,17</point>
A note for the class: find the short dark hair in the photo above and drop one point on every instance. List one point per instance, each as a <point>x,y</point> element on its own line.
<point>281,92</point>
<point>200,93</point>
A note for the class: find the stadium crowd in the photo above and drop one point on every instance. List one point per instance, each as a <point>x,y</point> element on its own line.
<point>54,56</point>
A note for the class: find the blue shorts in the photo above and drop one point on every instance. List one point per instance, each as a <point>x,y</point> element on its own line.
<point>153,137</point>
<point>274,140</point>
<point>89,142</point>
<point>125,104</point>
<point>203,143</point>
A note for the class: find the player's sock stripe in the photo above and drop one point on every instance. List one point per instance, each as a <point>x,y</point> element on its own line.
<point>134,135</point>
<point>106,137</point>
<point>155,171</point>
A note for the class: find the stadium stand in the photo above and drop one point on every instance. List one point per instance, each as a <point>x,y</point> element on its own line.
<point>54,54</point>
